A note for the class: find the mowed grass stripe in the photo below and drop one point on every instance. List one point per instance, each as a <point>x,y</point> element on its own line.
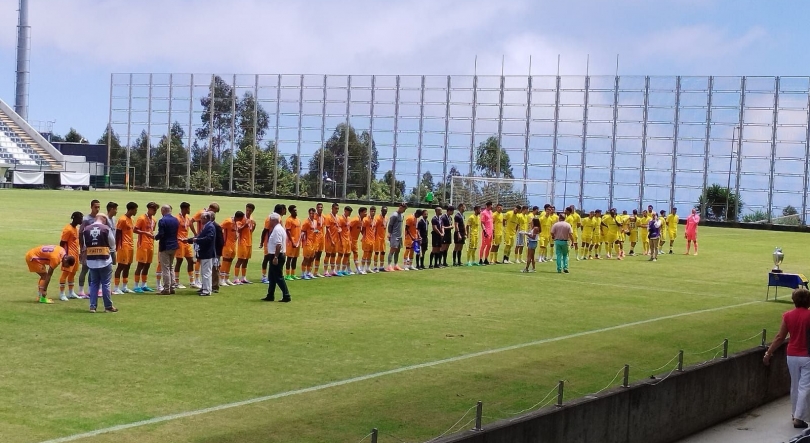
<point>362,378</point>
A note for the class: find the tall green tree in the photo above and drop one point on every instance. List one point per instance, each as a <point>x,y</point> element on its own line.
<point>487,155</point>
<point>716,199</point>
<point>245,121</point>
<point>118,154</point>
<point>172,148</point>
<point>222,117</point>
<point>362,150</point>
<point>73,136</point>
<point>399,189</point>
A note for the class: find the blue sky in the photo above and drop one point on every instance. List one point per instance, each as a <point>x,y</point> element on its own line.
<point>77,44</point>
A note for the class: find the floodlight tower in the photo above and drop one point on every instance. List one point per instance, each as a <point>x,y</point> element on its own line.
<point>23,61</point>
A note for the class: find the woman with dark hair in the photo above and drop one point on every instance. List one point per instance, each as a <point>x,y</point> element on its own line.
<point>796,324</point>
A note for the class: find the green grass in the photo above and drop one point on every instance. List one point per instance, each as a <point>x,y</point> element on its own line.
<point>65,371</point>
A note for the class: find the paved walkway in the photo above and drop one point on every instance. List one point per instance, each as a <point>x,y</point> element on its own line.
<point>768,424</point>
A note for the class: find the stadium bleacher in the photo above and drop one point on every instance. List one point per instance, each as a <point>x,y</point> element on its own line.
<point>18,149</point>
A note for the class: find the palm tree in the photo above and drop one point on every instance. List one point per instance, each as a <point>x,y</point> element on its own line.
<point>719,203</point>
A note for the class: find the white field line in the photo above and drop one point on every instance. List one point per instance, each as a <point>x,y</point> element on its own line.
<point>361,378</point>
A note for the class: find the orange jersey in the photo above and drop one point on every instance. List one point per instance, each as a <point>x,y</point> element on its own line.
<point>343,223</point>
<point>410,228</point>
<point>246,232</point>
<point>308,229</point>
<point>145,223</point>
<point>197,219</point>
<point>355,226</point>
<point>379,226</point>
<point>293,227</point>
<point>229,232</point>
<point>48,255</point>
<point>70,236</point>
<point>370,230</point>
<point>127,228</point>
<point>331,226</point>
<point>184,224</point>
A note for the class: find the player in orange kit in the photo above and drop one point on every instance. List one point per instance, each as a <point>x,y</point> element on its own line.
<point>355,229</point>
<point>380,223</point>
<point>145,228</point>
<point>229,234</point>
<point>70,242</point>
<point>293,227</point>
<point>184,250</point>
<point>310,230</point>
<point>411,236</point>
<point>369,240</point>
<point>124,248</point>
<point>320,246</point>
<point>196,227</point>
<point>331,235</point>
<point>244,248</point>
<point>344,248</point>
<point>42,261</point>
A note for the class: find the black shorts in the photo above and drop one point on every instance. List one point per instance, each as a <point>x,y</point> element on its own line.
<point>424,244</point>
<point>460,240</point>
<point>447,239</point>
<point>435,240</point>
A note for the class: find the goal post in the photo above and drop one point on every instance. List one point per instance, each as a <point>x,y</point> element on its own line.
<point>509,192</point>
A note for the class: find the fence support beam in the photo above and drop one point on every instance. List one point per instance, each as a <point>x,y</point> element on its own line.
<point>419,142</point>
<point>646,115</point>
<point>707,145</point>
<point>190,129</point>
<point>739,150</point>
<point>393,183</point>
<point>370,137</point>
<point>675,143</point>
<point>773,147</point>
<point>500,128</point>
<point>584,144</point>
<point>323,140</point>
<point>446,139</point>
<point>806,163</point>
<point>275,140</point>
<point>472,123</point>
<point>211,132</point>
<point>233,138</point>
<point>528,136</point>
<point>348,133</point>
<point>256,135</point>
<point>613,141</point>
<point>148,150</point>
<point>127,178</point>
<point>554,140</point>
<point>169,135</point>
<point>300,135</point>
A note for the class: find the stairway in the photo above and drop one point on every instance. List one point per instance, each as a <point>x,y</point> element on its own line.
<point>43,158</point>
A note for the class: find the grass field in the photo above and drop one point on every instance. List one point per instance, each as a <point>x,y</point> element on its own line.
<point>64,371</point>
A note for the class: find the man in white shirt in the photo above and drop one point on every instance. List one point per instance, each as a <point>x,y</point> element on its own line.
<point>277,249</point>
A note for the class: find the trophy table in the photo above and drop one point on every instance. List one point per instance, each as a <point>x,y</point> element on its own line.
<point>777,277</point>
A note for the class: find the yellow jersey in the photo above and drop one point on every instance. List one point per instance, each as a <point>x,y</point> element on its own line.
<point>511,222</point>
<point>587,227</point>
<point>672,222</point>
<point>545,225</point>
<point>644,223</point>
<point>522,221</point>
<point>612,224</point>
<point>474,222</point>
<point>497,223</point>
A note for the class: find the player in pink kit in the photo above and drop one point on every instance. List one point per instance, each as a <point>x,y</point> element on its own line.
<point>691,231</point>
<point>486,239</point>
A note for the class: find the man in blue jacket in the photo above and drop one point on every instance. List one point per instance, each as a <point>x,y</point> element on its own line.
<point>206,251</point>
<point>167,236</point>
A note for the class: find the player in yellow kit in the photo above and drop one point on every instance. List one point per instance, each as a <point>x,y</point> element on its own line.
<point>587,236</point>
<point>612,239</point>
<point>672,227</point>
<point>497,237</point>
<point>510,221</point>
<point>643,223</point>
<point>522,227</point>
<point>573,219</point>
<point>632,226</point>
<point>473,235</point>
<point>597,233</point>
<point>547,219</point>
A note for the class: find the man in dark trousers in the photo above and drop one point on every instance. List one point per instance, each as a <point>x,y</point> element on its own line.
<point>167,236</point>
<point>219,243</point>
<point>277,248</point>
<point>206,250</point>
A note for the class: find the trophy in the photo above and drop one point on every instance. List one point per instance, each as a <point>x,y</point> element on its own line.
<point>778,257</point>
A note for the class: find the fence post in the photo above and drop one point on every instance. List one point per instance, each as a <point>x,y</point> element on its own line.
<point>680,360</point>
<point>479,411</point>
<point>374,435</point>
<point>764,336</point>
<point>560,392</point>
<point>725,348</point>
<point>626,381</point>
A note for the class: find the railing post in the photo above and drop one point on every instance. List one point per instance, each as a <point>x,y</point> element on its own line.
<point>725,348</point>
<point>479,412</point>
<point>560,393</point>
<point>764,337</point>
<point>680,360</point>
<point>626,381</point>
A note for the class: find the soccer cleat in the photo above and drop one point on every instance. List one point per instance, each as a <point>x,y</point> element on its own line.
<point>524,271</point>
<point>295,277</point>
<point>63,297</point>
<point>397,268</point>
<point>111,309</point>
<point>126,290</point>
<point>246,281</point>
<point>118,292</point>
<point>670,251</point>
<point>179,286</point>
<point>565,271</point>
<point>223,282</point>
<point>307,277</point>
<point>147,289</point>
<point>45,300</point>
<point>235,282</point>
<point>319,275</point>
<point>266,281</point>
<point>138,291</point>
<point>73,295</point>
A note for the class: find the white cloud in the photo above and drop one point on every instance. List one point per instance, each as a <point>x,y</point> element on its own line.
<point>262,36</point>
<point>698,43</point>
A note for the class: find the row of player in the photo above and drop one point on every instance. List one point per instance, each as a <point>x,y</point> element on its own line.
<point>334,238</point>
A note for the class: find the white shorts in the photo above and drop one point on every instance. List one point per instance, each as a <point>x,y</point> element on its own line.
<point>521,239</point>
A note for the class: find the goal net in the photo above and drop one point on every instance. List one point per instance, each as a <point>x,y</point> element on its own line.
<point>472,191</point>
